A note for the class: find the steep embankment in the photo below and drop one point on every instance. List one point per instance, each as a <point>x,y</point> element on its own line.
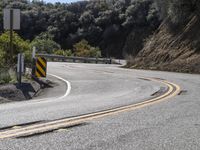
<point>177,50</point>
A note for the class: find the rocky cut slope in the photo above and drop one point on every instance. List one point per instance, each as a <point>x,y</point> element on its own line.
<point>175,46</point>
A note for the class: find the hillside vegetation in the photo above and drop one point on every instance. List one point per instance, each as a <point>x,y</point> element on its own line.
<point>152,34</point>
<point>175,46</point>
<point>117,27</point>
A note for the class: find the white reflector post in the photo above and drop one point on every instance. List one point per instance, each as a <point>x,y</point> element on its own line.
<point>22,63</point>
<point>34,52</point>
<point>18,63</point>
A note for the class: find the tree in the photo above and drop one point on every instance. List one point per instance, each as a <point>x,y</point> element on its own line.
<point>45,45</point>
<point>19,46</point>
<point>178,11</point>
<point>86,18</point>
<point>94,21</point>
<point>137,13</point>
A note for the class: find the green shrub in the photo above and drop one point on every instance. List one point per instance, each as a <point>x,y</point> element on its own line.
<point>45,44</point>
<point>63,52</point>
<point>5,76</point>
<point>83,49</point>
<point>68,52</point>
<point>59,52</point>
<point>2,57</point>
<point>19,46</point>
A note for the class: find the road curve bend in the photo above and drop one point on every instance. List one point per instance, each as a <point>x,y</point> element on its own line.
<point>83,118</point>
<point>39,128</point>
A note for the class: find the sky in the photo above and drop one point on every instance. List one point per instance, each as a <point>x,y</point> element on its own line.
<point>62,1</point>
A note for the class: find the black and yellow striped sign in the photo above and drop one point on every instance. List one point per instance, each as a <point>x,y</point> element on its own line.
<point>41,67</point>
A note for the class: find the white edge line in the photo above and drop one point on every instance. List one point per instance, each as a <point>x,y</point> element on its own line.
<point>57,98</point>
<point>68,86</point>
<point>44,100</point>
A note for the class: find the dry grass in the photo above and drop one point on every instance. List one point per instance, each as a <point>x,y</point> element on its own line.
<point>170,51</point>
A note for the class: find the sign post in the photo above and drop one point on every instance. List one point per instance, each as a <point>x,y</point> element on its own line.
<point>11,35</point>
<point>11,22</point>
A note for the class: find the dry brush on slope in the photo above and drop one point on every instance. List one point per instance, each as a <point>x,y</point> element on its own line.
<point>175,46</point>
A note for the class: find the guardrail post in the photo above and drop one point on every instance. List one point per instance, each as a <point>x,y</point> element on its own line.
<point>96,60</point>
<point>106,61</point>
<point>110,61</point>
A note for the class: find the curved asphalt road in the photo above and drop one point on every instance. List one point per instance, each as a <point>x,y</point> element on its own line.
<point>173,124</point>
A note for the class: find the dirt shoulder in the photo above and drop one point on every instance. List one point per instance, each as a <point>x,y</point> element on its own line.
<point>30,89</point>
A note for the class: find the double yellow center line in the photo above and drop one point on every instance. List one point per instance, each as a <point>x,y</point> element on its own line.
<point>29,130</point>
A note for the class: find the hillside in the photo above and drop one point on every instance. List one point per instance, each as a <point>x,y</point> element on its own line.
<point>117,27</point>
<point>152,34</point>
<point>175,46</point>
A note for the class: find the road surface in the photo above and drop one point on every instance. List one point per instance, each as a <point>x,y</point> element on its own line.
<point>171,124</point>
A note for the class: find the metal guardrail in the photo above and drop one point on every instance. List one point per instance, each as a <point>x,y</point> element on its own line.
<point>76,59</point>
